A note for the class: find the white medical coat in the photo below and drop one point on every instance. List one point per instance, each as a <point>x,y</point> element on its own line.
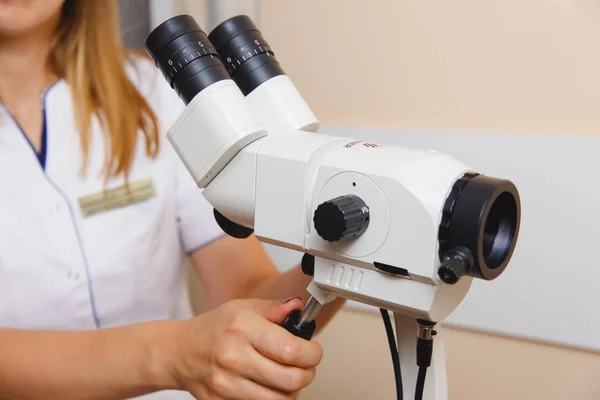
<point>61,270</point>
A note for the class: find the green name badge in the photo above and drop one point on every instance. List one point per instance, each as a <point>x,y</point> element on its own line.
<point>125,195</point>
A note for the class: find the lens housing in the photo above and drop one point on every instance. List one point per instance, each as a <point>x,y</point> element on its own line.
<point>185,56</point>
<point>247,56</point>
<point>481,214</point>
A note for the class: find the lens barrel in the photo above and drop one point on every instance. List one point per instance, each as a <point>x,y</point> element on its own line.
<point>247,56</point>
<point>481,216</point>
<point>185,56</point>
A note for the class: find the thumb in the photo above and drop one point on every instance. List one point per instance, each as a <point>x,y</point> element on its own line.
<point>279,313</point>
<point>276,311</point>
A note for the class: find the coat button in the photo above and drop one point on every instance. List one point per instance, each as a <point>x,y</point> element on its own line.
<point>73,276</point>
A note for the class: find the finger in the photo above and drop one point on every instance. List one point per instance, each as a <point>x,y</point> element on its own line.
<point>229,386</point>
<point>241,358</point>
<point>273,310</point>
<point>276,343</point>
<point>279,313</point>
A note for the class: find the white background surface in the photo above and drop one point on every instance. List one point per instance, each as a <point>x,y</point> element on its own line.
<point>550,291</point>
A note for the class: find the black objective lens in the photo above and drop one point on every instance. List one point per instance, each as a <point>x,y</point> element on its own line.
<point>185,56</point>
<point>481,217</point>
<point>247,56</point>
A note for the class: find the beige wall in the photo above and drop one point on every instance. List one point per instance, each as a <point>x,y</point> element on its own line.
<point>510,65</point>
<point>462,64</point>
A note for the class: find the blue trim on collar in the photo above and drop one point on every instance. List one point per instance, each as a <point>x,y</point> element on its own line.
<point>42,154</point>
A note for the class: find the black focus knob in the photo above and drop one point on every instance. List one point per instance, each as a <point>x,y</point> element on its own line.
<point>457,263</point>
<point>341,218</point>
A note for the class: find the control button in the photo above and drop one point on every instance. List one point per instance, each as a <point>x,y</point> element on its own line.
<point>73,276</point>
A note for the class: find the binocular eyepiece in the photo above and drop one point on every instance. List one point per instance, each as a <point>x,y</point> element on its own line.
<point>191,61</point>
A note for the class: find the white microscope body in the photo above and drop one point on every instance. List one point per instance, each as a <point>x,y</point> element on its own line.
<point>401,229</point>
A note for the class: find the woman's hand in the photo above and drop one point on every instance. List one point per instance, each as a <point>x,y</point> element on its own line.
<point>239,351</point>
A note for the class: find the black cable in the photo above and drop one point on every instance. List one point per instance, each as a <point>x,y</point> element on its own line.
<point>424,353</point>
<point>420,383</point>
<point>393,351</point>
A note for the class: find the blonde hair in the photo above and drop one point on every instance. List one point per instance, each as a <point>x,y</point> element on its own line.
<point>89,54</point>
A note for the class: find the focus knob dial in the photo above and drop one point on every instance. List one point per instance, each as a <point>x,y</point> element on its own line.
<point>341,218</point>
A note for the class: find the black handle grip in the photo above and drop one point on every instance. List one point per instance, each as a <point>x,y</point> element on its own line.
<point>292,325</point>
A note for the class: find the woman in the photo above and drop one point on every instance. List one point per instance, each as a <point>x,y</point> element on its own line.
<point>96,215</point>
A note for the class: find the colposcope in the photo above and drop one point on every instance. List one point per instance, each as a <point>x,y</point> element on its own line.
<point>401,229</point>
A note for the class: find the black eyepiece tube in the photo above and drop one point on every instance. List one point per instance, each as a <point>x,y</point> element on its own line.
<point>249,59</point>
<point>186,58</point>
